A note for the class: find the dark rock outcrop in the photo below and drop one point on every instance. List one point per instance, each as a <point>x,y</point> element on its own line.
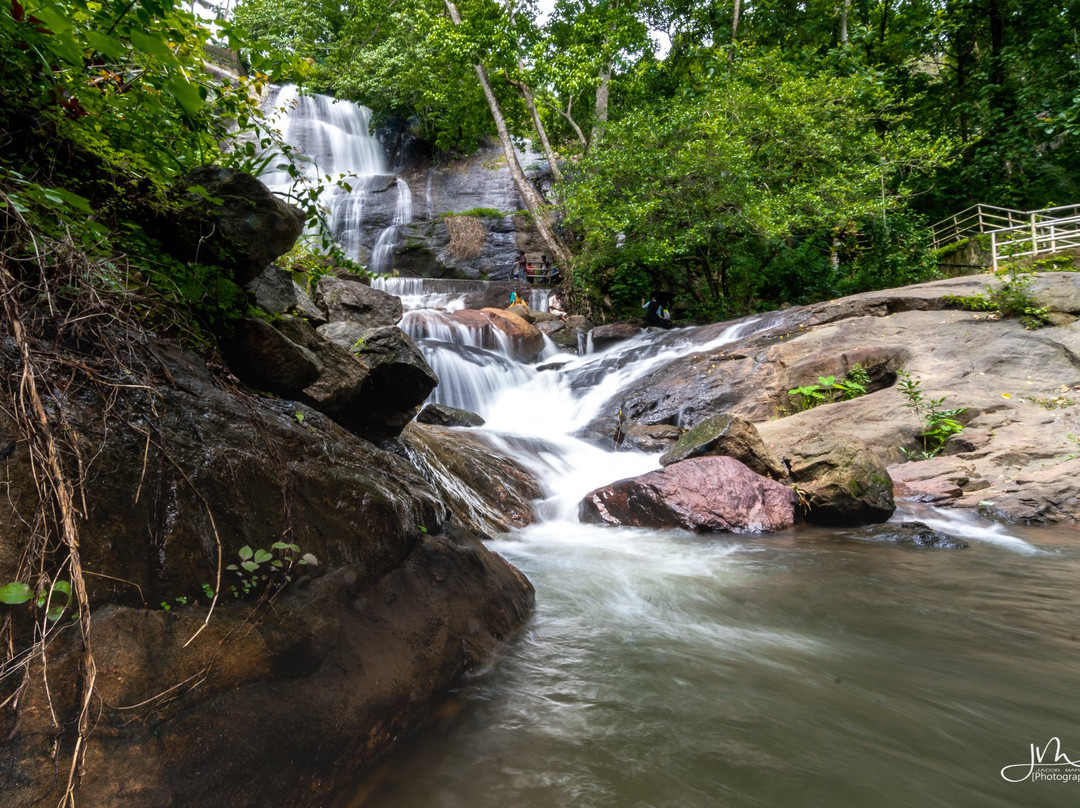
<point>487,491</point>
<point>842,480</point>
<point>604,335</point>
<point>247,229</point>
<point>340,668</point>
<point>914,534</point>
<point>702,494</point>
<point>445,415</point>
<point>355,301</point>
<point>375,386</point>
<point>727,435</point>
<point>277,293</point>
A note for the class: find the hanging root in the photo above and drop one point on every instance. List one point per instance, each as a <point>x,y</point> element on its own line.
<point>47,283</point>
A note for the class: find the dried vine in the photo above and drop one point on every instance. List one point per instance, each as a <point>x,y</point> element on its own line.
<point>49,299</point>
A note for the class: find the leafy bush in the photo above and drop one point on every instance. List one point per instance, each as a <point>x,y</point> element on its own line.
<point>937,424</point>
<point>1012,299</point>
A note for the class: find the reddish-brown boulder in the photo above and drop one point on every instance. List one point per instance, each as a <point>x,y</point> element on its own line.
<point>527,340</point>
<point>702,494</point>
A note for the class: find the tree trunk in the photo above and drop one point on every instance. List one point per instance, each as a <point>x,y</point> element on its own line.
<point>603,92</point>
<point>735,28</point>
<point>530,104</point>
<point>568,114</point>
<point>541,131</point>
<point>529,195</point>
<point>845,10</point>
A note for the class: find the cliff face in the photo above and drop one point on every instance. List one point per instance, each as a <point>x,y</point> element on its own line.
<point>435,245</point>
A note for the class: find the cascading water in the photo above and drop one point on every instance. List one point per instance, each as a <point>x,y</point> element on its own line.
<point>334,136</point>
<point>812,667</point>
<point>382,254</point>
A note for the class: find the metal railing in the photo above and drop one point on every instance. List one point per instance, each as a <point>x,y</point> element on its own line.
<point>1013,233</point>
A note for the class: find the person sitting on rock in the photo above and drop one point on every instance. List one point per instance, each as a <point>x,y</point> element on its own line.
<point>555,305</point>
<point>654,313</point>
<point>517,300</point>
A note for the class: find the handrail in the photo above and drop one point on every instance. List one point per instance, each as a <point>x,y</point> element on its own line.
<point>1040,231</point>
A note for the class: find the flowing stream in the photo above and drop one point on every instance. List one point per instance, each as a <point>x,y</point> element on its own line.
<point>807,668</point>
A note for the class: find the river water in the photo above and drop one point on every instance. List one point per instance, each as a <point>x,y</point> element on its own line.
<point>807,668</point>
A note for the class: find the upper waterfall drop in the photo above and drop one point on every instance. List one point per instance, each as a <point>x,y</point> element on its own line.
<point>334,136</point>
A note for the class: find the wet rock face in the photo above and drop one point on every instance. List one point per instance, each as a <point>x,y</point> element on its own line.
<point>354,301</point>
<point>706,494</point>
<point>245,231</point>
<point>338,670</point>
<point>481,183</point>
<point>497,494</point>
<point>843,481</point>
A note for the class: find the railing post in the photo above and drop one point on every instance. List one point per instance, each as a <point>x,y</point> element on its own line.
<point>1034,235</point>
<point>993,250</point>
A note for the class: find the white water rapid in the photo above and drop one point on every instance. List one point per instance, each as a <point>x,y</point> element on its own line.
<point>810,667</point>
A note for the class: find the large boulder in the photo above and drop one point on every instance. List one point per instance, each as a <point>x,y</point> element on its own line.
<point>604,335</point>
<point>262,356</point>
<point>277,293</point>
<point>702,494</point>
<point>444,415</point>
<point>729,435</point>
<point>235,221</point>
<point>374,386</point>
<point>650,437</point>
<point>486,490</point>
<point>353,300</point>
<point>341,667</point>
<point>842,480</point>
<point>526,339</point>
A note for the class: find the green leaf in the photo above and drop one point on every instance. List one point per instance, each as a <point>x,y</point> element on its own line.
<point>250,566</point>
<point>151,43</point>
<point>186,94</point>
<point>15,593</point>
<point>262,556</point>
<point>245,553</point>
<point>104,44</point>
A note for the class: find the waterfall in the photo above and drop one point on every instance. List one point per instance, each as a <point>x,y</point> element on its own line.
<point>428,293</point>
<point>334,134</point>
<point>726,653</point>
<point>382,254</point>
<point>334,138</point>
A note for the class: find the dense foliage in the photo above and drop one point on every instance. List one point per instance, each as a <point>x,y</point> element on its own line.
<point>735,156</point>
<point>103,106</point>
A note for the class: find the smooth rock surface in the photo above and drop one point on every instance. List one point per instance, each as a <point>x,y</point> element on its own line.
<point>705,494</point>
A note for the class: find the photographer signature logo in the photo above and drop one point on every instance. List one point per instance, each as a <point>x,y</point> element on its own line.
<point>1047,763</point>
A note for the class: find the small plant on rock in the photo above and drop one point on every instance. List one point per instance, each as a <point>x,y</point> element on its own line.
<point>1012,299</point>
<point>830,389</point>
<point>938,424</point>
<point>267,571</point>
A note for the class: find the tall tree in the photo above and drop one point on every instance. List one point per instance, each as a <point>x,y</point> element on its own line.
<point>535,204</point>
